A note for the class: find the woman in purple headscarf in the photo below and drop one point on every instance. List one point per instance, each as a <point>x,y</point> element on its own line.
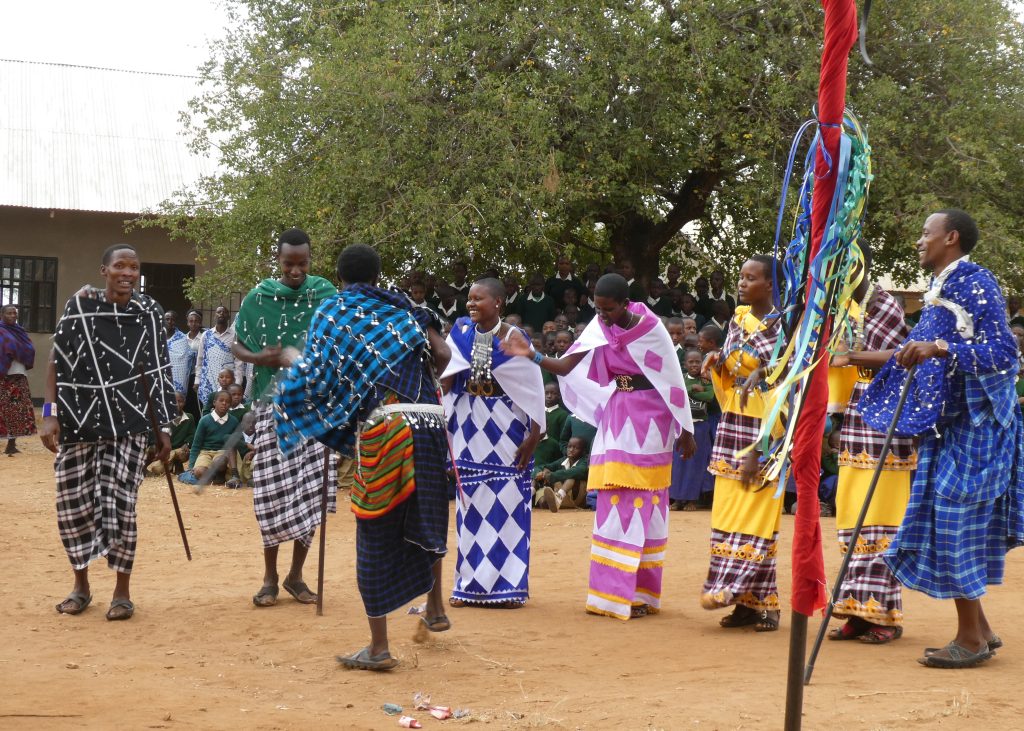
<point>17,356</point>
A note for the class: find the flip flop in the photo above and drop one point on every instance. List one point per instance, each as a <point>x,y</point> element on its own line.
<point>880,635</point>
<point>639,611</point>
<point>741,616</point>
<point>851,630</point>
<point>959,657</point>
<point>297,589</point>
<point>266,597</point>
<point>994,644</point>
<point>437,624</point>
<point>425,626</point>
<point>363,660</point>
<point>120,603</point>
<point>81,602</point>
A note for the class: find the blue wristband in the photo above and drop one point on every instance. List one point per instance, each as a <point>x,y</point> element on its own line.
<point>49,409</point>
<point>538,357</point>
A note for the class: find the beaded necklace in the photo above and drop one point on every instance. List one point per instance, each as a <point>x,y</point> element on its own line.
<point>480,381</point>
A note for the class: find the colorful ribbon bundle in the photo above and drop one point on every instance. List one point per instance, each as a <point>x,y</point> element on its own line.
<point>817,289</point>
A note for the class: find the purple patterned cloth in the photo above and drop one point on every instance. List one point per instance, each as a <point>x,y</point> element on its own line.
<point>15,345</point>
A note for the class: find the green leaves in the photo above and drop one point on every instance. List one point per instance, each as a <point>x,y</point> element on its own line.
<point>505,133</point>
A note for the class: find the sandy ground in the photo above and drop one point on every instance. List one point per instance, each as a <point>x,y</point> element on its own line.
<point>198,655</point>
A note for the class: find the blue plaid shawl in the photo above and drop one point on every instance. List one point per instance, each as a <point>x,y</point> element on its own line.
<point>978,376</point>
<point>355,338</point>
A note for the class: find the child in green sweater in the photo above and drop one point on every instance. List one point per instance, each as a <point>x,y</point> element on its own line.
<point>183,429</point>
<point>212,433</point>
<point>237,409</point>
<point>548,448</point>
<point>563,478</point>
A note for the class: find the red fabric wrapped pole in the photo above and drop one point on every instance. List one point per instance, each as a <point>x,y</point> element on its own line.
<point>808,562</point>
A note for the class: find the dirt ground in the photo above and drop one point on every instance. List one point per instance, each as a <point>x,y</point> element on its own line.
<point>199,655</point>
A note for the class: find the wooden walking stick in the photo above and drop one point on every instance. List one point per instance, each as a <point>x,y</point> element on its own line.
<point>323,533</point>
<point>167,467</point>
<point>837,587</point>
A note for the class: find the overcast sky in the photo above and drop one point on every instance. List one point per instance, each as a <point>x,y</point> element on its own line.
<point>142,35</point>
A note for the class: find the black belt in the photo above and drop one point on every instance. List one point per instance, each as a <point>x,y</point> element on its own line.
<point>490,389</point>
<point>632,383</point>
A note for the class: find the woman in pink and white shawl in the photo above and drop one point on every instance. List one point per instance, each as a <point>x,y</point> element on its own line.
<point>630,386</point>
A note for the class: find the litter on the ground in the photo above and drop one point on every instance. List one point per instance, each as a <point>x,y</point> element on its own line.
<point>409,722</point>
<point>392,709</point>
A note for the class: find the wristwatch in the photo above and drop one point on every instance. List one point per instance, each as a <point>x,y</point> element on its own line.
<point>943,347</point>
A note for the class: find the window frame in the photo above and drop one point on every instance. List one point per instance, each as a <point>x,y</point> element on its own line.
<point>39,314</point>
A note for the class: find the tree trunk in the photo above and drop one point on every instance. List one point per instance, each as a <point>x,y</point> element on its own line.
<point>636,237</point>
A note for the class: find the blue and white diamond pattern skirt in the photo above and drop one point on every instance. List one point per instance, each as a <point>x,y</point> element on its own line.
<point>493,513</point>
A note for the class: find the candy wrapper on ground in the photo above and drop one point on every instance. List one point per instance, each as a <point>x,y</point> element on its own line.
<point>409,722</point>
<point>392,709</point>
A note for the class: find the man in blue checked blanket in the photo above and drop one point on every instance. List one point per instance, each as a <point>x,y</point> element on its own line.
<point>966,507</point>
<point>366,379</point>
<point>95,418</point>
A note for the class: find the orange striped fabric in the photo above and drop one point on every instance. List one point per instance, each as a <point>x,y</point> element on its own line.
<point>385,476</point>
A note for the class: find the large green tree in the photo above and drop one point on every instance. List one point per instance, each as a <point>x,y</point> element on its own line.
<point>506,132</point>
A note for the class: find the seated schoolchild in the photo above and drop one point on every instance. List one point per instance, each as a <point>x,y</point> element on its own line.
<point>225,378</point>
<point>244,451</point>
<point>690,478</point>
<point>183,428</point>
<point>238,407</point>
<point>212,434</point>
<point>549,448</point>
<point>710,339</point>
<point>576,427</point>
<point>675,332</point>
<point>563,341</point>
<point>829,480</point>
<point>564,478</point>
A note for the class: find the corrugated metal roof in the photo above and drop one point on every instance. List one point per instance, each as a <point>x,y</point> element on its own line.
<point>82,138</point>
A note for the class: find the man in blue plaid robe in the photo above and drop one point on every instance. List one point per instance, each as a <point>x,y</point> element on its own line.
<point>966,507</point>
<point>369,362</point>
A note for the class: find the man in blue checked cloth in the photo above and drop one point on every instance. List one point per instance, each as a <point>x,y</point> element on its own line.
<point>95,418</point>
<point>366,380</point>
<point>272,322</point>
<point>966,507</point>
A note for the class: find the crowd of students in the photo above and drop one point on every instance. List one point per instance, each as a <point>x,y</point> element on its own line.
<point>551,311</point>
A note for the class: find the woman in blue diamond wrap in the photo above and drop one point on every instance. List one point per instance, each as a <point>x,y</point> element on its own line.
<point>495,409</point>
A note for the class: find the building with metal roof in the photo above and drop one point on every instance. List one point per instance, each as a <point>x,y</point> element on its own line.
<point>89,139</point>
<point>85,150</point>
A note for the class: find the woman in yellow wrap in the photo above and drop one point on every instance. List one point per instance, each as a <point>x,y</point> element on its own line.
<point>746,514</point>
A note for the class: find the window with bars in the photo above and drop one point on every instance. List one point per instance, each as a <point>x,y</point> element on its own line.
<point>30,282</point>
